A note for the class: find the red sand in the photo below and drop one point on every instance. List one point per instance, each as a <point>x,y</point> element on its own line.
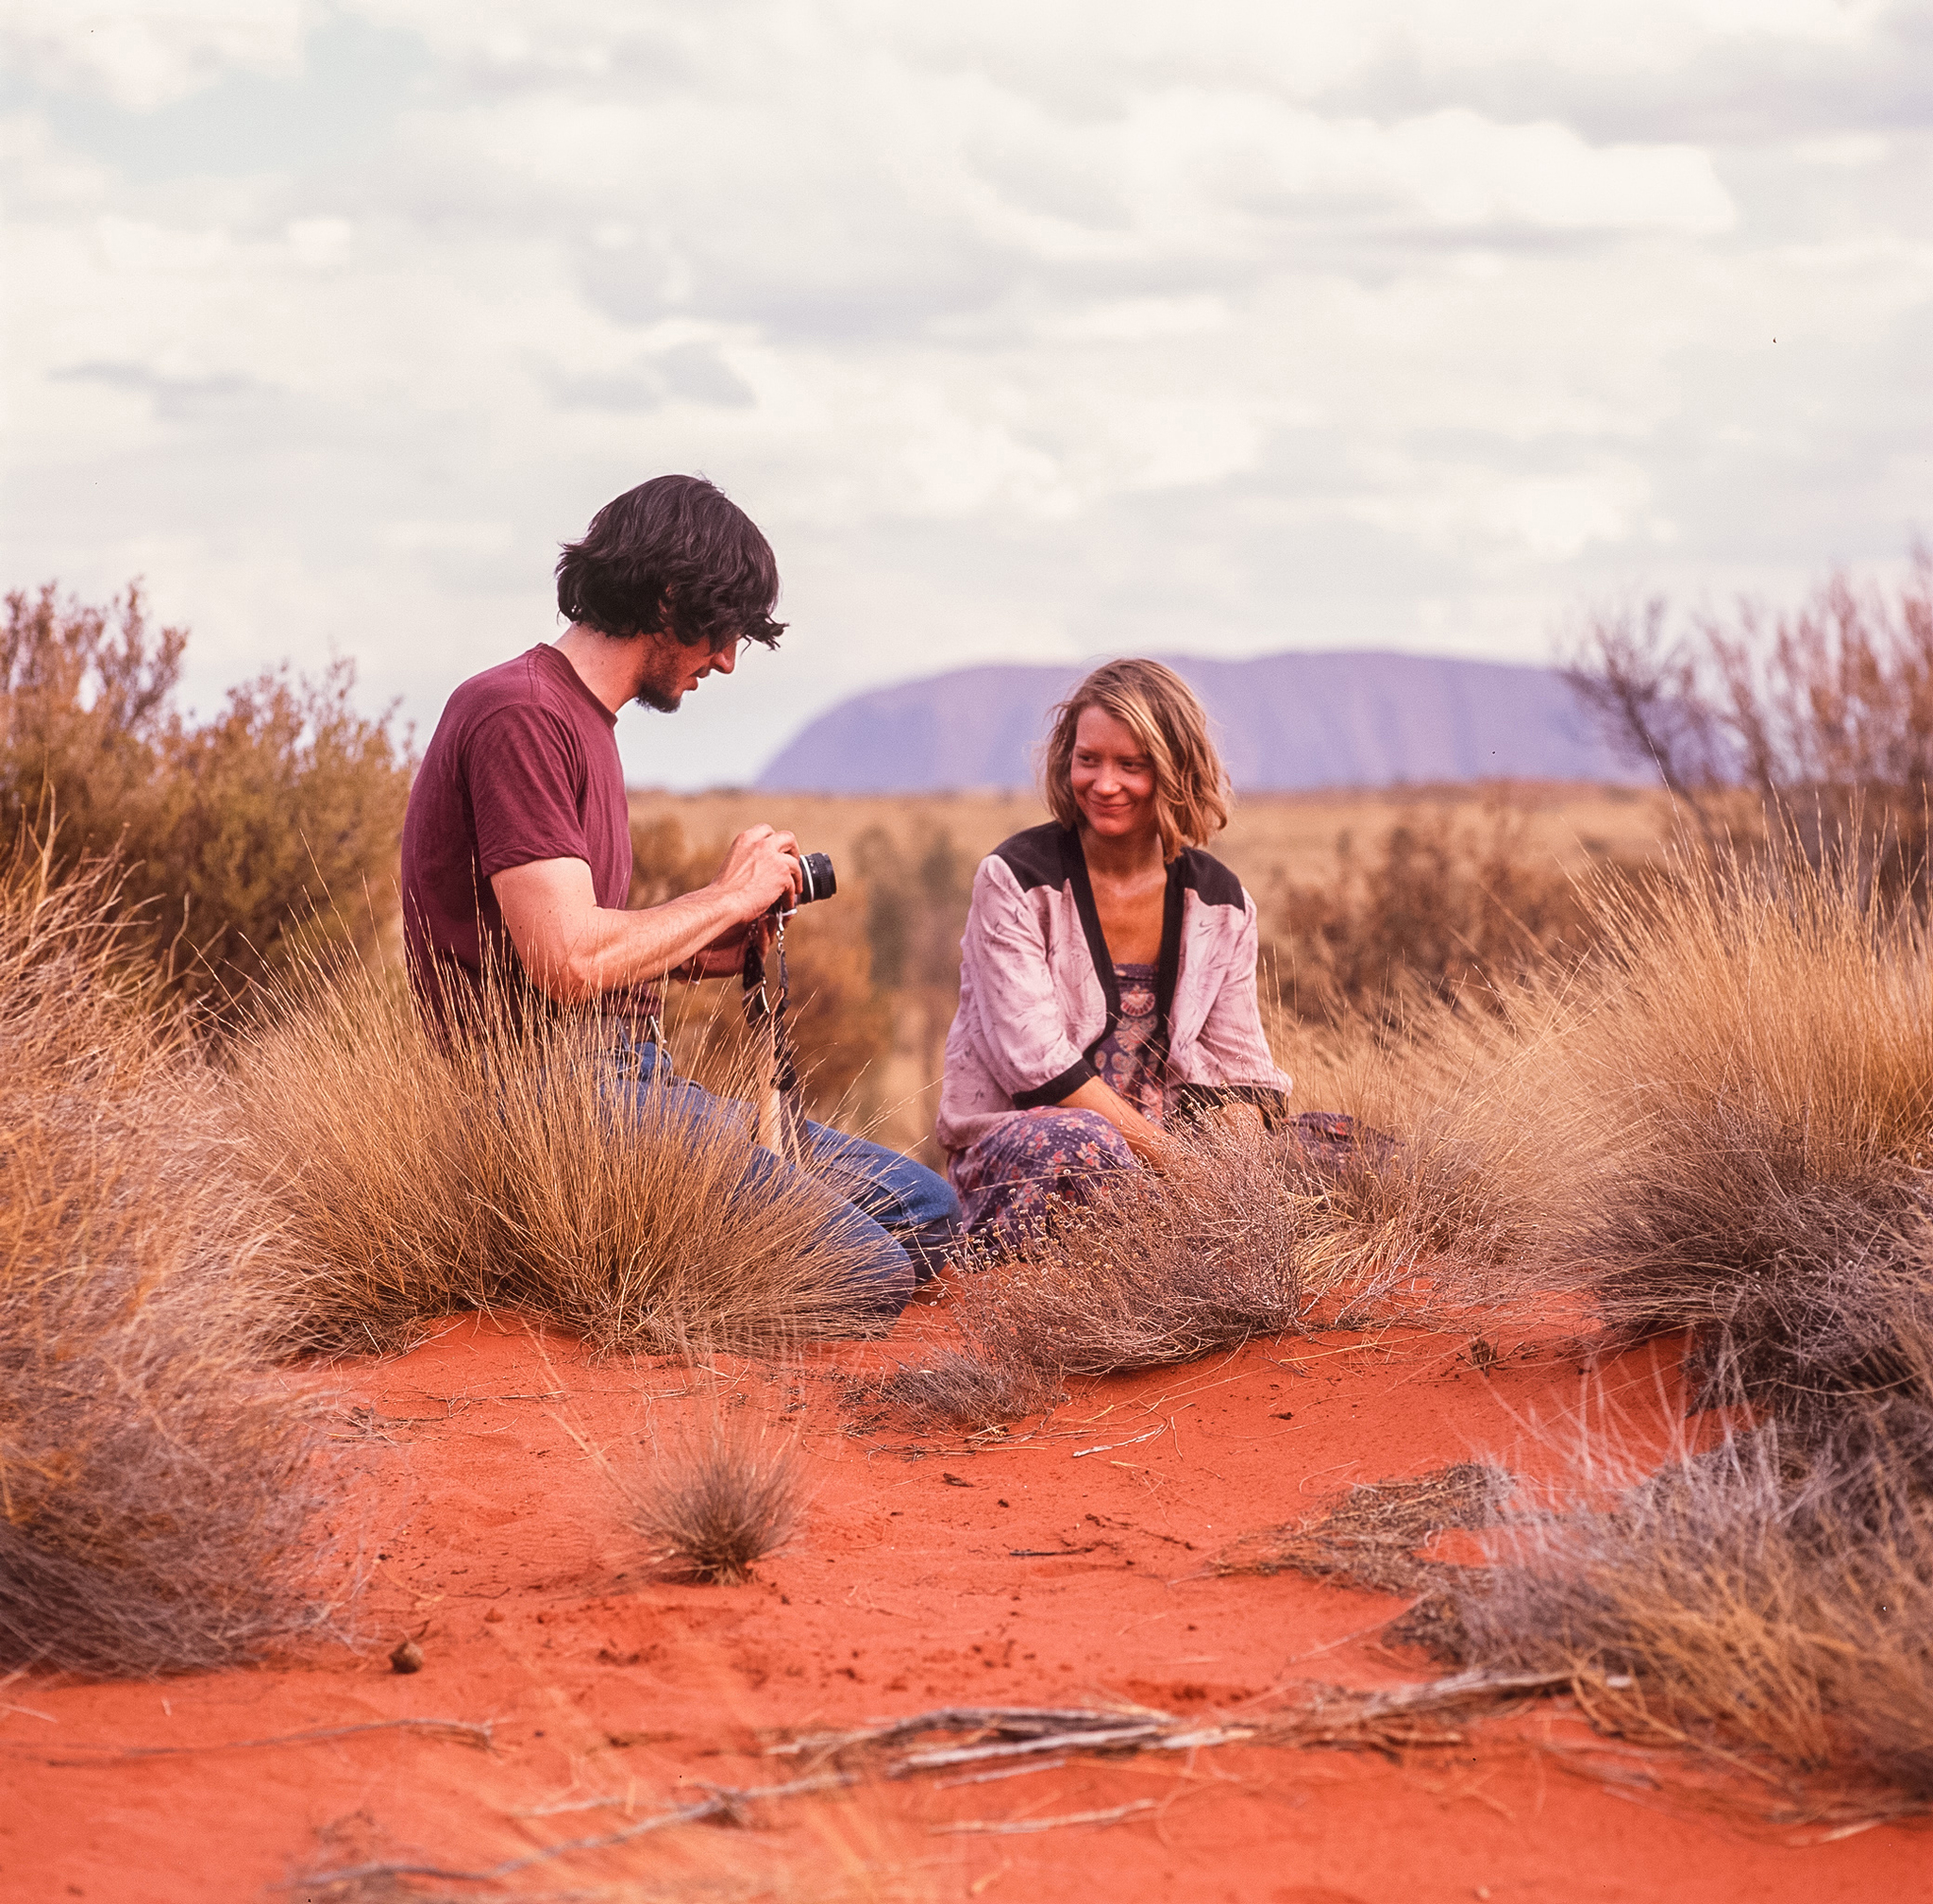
<point>486,1528</point>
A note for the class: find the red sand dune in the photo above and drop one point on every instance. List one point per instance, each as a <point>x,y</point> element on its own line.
<point>611,1693</point>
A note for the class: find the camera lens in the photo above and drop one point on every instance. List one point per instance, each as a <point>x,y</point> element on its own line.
<point>817,880</point>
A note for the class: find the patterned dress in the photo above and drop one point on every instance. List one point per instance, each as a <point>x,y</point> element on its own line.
<point>1010,1179</point>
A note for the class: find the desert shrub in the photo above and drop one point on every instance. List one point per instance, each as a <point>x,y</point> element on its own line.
<point>1739,1599</point>
<point>156,1484</point>
<point>1730,1130</point>
<point>243,840</point>
<point>514,1168</point>
<point>1459,912</point>
<point>1825,712</point>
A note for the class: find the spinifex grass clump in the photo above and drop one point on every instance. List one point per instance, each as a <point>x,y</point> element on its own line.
<point>155,1481</point>
<point>1425,1205</point>
<point>1738,1600</point>
<point>1238,1233</point>
<point>994,1382</point>
<point>1155,1266</point>
<point>522,1167</point>
<point>1738,1127</point>
<point>714,1504</point>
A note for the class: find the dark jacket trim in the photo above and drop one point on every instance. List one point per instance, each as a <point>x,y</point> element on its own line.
<point>1205,876</point>
<point>1192,1099</point>
<point>1034,857</point>
<point>1167,969</point>
<point>1054,1089</point>
<point>1074,871</point>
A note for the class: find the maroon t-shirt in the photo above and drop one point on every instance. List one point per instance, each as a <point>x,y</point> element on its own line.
<point>523,766</point>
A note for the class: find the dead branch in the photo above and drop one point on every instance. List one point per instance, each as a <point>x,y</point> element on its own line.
<point>464,1731</point>
<point>990,1826</point>
<point>726,1803</point>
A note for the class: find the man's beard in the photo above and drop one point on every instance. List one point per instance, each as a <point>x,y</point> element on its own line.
<point>664,694</point>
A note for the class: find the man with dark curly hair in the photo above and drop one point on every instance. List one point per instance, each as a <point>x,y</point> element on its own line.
<point>516,849</point>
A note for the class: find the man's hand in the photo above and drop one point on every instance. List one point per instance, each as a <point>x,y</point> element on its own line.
<point>760,869</point>
<point>574,949</point>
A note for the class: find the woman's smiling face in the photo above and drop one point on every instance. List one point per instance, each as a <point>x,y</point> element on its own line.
<point>1112,777</point>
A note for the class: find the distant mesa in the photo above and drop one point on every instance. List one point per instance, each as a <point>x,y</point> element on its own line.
<point>1285,721</point>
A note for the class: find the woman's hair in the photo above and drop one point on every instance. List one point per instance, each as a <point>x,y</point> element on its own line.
<point>1159,709</point>
<point>674,553</point>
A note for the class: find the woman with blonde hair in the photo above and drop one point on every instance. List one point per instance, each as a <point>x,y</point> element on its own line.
<point>1107,978</point>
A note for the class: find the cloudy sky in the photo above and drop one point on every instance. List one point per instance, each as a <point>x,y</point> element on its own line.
<point>1025,330</point>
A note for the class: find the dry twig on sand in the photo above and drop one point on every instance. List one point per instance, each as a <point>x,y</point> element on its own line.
<point>1406,1718</point>
<point>466,1731</point>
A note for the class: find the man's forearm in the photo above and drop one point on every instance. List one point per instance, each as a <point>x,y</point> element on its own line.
<point>635,947</point>
<point>572,949</point>
<point>575,948</point>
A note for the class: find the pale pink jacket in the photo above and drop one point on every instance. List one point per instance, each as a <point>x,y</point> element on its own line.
<point>1037,992</point>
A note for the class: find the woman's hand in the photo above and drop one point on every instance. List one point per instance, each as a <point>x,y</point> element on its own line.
<point>1243,1120</point>
<point>1145,1139</point>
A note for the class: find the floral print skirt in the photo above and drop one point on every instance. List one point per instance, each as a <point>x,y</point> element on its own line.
<point>1009,1180</point>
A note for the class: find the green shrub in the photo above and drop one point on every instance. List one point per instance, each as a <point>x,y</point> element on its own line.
<point>272,826</point>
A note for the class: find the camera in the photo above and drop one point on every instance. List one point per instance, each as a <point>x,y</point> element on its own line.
<point>816,878</point>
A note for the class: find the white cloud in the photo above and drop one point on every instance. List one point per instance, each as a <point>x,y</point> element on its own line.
<point>141,54</point>
<point>1021,329</point>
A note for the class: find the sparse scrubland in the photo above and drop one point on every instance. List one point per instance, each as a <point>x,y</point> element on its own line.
<point>1683,1093</point>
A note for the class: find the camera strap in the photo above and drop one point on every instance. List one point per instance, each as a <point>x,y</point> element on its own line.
<point>781,1124</point>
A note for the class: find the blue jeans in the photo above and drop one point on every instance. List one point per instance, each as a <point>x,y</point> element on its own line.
<point>903,1219</point>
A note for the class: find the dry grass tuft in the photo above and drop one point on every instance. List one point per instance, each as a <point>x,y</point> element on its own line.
<point>156,1480</point>
<point>1732,1130</point>
<point>1773,1611</point>
<point>714,1506</point>
<point>519,1170</point>
<point>1372,1536</point>
<point>1433,1209</point>
<point>1242,1235</point>
<point>1155,1266</point>
<point>992,1384</point>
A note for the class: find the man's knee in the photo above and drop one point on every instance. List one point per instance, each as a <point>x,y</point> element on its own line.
<point>880,1286</point>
